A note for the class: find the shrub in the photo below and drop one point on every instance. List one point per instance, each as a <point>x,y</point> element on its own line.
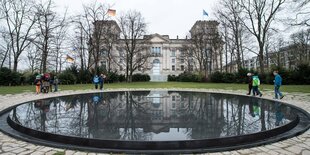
<point>67,78</point>
<point>229,78</point>
<point>29,77</point>
<point>301,74</point>
<point>84,76</point>
<point>121,78</point>
<point>9,78</point>
<point>241,75</point>
<point>217,77</point>
<point>112,77</point>
<point>140,77</point>
<point>190,77</point>
<point>185,77</point>
<point>172,78</point>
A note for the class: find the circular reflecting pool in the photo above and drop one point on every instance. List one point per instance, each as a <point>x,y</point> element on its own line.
<point>155,120</point>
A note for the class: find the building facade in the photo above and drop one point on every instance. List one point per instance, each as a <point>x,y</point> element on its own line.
<point>288,57</point>
<point>167,56</point>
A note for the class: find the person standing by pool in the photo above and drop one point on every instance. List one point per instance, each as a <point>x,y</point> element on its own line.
<point>38,83</point>
<point>101,81</point>
<point>96,81</point>
<point>250,80</point>
<point>51,80</point>
<point>56,81</point>
<point>277,83</point>
<point>255,84</point>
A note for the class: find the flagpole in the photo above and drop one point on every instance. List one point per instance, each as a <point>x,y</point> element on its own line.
<point>203,16</point>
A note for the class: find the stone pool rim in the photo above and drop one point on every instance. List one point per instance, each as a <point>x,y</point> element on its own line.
<point>154,149</point>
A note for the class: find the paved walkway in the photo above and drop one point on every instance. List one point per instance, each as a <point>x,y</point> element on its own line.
<point>297,145</point>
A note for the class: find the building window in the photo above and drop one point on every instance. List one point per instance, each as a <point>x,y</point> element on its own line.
<point>182,60</point>
<point>173,67</point>
<point>121,60</point>
<point>182,67</point>
<point>190,68</point>
<point>121,53</point>
<point>173,60</point>
<point>172,53</point>
<point>156,50</point>
<point>173,98</point>
<point>182,53</point>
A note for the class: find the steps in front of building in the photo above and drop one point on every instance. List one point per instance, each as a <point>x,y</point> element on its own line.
<point>159,78</point>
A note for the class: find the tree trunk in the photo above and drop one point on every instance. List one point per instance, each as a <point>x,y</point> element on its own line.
<point>261,58</point>
<point>15,65</point>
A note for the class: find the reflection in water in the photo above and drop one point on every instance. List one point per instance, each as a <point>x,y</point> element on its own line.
<point>152,115</point>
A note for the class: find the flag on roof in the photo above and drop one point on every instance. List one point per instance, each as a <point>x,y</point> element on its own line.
<point>111,12</point>
<point>205,12</point>
<point>69,59</point>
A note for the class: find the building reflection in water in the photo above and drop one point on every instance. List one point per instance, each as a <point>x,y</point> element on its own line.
<point>152,115</point>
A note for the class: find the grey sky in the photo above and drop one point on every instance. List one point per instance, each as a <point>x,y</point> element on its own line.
<point>171,17</point>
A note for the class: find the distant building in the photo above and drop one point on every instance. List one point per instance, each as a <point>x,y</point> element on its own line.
<point>290,56</point>
<point>167,54</point>
<point>287,57</point>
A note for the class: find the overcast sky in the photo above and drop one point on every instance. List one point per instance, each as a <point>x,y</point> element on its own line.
<point>170,17</point>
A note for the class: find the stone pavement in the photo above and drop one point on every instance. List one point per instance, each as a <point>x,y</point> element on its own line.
<point>296,145</point>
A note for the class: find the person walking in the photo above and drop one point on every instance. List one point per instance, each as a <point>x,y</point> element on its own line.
<point>277,83</point>
<point>101,81</point>
<point>250,81</point>
<point>56,81</point>
<point>96,81</point>
<point>255,84</point>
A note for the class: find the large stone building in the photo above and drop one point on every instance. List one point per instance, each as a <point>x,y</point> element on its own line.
<point>166,54</point>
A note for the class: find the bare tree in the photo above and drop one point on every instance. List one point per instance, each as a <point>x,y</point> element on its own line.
<point>59,37</point>
<point>33,55</point>
<point>199,49</point>
<point>259,15</point>
<point>133,28</point>
<point>302,17</point>
<point>47,23</point>
<point>275,56</point>
<point>226,40</point>
<point>79,42</point>
<point>93,22</point>
<point>229,13</point>
<point>203,36</point>
<point>301,41</point>
<point>217,47</point>
<point>111,35</point>
<point>19,19</point>
<point>187,56</point>
<point>5,50</point>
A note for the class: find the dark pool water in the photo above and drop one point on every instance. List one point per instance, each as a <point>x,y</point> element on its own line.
<point>152,115</point>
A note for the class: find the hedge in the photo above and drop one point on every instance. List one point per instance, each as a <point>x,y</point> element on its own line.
<point>300,75</point>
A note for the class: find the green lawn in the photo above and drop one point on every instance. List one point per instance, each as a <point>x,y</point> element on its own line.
<point>285,88</point>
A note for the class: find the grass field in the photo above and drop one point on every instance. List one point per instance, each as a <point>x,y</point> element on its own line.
<point>285,88</point>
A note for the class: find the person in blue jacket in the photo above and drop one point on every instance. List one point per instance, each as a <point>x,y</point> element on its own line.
<point>96,81</point>
<point>277,83</point>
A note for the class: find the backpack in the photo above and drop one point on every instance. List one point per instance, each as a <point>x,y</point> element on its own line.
<point>256,81</point>
<point>96,79</point>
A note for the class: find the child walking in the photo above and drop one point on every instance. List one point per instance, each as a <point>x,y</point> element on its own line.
<point>38,83</point>
<point>256,83</point>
